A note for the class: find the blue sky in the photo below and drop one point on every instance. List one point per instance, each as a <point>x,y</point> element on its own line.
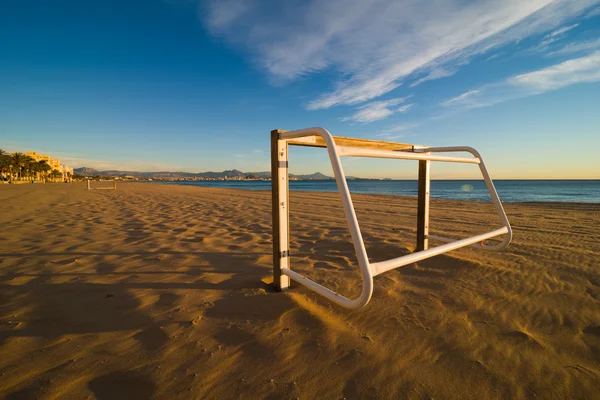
<point>196,86</point>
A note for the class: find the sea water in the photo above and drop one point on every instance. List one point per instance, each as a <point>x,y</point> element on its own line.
<point>580,191</point>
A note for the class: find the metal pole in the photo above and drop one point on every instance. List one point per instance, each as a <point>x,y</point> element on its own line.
<point>88,184</point>
<point>280,211</point>
<point>423,205</point>
<point>346,151</point>
<point>388,265</point>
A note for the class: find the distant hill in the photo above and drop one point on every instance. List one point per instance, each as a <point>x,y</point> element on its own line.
<point>86,171</point>
<point>317,176</point>
<point>234,173</point>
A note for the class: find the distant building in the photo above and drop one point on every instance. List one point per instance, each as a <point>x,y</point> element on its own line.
<point>39,157</point>
<point>67,172</point>
<point>55,164</point>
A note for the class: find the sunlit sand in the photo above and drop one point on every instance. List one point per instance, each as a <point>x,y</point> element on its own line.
<point>162,291</point>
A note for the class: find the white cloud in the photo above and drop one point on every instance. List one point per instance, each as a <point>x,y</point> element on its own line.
<point>543,45</point>
<point>462,98</point>
<point>579,70</point>
<point>402,127</point>
<point>493,56</point>
<point>577,47</point>
<point>594,13</point>
<point>405,108</point>
<point>397,131</point>
<point>562,30</point>
<point>225,12</point>
<point>374,44</point>
<point>550,38</point>
<point>377,110</point>
<point>436,73</point>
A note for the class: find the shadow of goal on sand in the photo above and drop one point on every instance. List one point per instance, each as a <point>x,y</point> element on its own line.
<point>79,307</point>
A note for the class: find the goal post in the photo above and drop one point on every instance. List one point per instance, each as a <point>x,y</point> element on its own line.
<point>113,186</point>
<point>338,147</point>
<point>280,210</point>
<point>424,187</point>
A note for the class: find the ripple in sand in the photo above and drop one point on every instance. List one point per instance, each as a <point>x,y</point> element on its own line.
<point>521,337</point>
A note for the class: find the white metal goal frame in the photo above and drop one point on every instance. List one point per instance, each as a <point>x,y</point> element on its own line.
<point>112,187</point>
<point>348,147</point>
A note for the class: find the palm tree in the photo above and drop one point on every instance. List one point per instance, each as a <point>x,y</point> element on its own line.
<point>18,163</point>
<point>55,174</point>
<point>43,169</point>
<point>30,167</point>
<point>4,164</point>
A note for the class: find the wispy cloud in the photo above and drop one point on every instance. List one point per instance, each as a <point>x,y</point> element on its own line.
<point>552,37</point>
<point>577,47</point>
<point>593,13</point>
<point>436,73</point>
<point>397,131</point>
<point>405,108</point>
<point>462,99</point>
<point>376,45</point>
<point>493,57</point>
<point>377,110</point>
<point>579,70</point>
<point>562,30</point>
<point>226,12</point>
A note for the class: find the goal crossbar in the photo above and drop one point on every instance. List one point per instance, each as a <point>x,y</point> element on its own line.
<point>349,147</point>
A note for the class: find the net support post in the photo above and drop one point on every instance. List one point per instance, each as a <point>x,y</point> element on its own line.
<point>280,210</point>
<point>88,185</point>
<point>114,184</point>
<point>423,205</point>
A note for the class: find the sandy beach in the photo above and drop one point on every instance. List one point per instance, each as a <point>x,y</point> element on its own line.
<point>162,291</point>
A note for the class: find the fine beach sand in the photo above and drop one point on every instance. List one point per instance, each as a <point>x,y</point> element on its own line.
<point>161,291</point>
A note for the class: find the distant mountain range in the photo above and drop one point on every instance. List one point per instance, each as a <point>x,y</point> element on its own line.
<point>234,173</point>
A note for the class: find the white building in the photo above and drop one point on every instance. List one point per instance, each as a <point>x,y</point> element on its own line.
<point>67,172</point>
